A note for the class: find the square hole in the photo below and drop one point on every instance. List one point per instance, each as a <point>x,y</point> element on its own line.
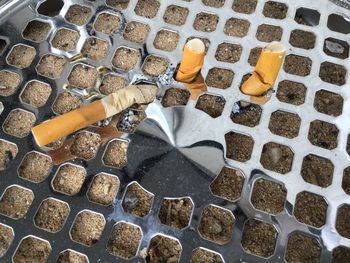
<point>51,66</point>
<point>227,52</point>
<point>244,6</point>
<point>175,97</point>
<point>175,15</point>
<point>32,249</point>
<point>214,3</point>
<point>107,23</point>
<point>50,8</point>
<point>117,4</point>
<point>125,58</point>
<point>176,212</point>
<point>137,201</point>
<point>36,31</point>
<point>268,196</point>
<point>111,83</point>
<point>69,255</point>
<point>291,92</point>
<point>155,66</point>
<point>87,228</point>
<point>8,152</point>
<point>246,113</point>
<point>338,23</point>
<point>83,76</point>
<point>219,78</point>
<point>302,248</point>
<point>277,157</point>
<point>21,56</point>
<point>285,124</point>
<point>306,16</point>
<point>302,39</point>
<point>346,176</point>
<point>19,123</point>
<point>163,249</point>
<point>52,215</point>
<point>95,48</point>
<point>235,27</point>
<point>329,103</point>
<point>275,10</point>
<point>103,189</point>
<point>136,32</point>
<point>35,167</point>
<point>228,184</point>
<point>297,65</point>
<point>166,40</point>
<point>85,145</point>
<point>310,209</point>
<point>66,102</point>
<point>342,223</point>
<point>239,147</point>
<point>147,8</point>
<point>69,179</point>
<point>333,73</point>
<point>259,238</point>
<point>65,39</point>
<point>323,134</point>
<point>317,170</point>
<point>78,15</point>
<point>9,81</point>
<point>124,240</point>
<point>269,33</point>
<point>340,254</point>
<point>205,255</point>
<point>7,236</point>
<point>205,22</point>
<point>116,154</point>
<point>36,93</point>
<point>336,48</point>
<point>216,224</point>
<point>254,56</point>
<point>16,201</point>
<point>210,104</point>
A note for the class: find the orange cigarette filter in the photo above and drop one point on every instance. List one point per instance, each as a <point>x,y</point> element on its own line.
<point>192,61</point>
<point>63,125</point>
<point>266,70</point>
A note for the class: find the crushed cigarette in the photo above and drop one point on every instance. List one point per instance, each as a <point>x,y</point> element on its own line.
<point>266,70</point>
<point>63,125</point>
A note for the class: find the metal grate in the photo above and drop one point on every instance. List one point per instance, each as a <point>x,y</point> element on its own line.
<point>178,151</point>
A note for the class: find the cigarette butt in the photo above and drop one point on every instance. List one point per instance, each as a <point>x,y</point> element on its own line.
<point>192,61</point>
<point>266,70</point>
<point>197,87</point>
<point>110,105</point>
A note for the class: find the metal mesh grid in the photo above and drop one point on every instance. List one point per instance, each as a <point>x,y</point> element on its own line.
<point>175,125</point>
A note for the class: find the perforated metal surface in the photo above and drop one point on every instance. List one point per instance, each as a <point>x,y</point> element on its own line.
<point>178,151</point>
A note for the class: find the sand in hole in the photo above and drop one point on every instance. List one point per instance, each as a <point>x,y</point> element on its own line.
<point>51,66</point>
<point>246,113</point>
<point>277,157</point>
<point>32,249</point>
<point>16,201</point>
<point>52,215</point>
<point>66,102</point>
<point>36,31</point>
<point>19,123</point>
<point>216,224</point>
<point>163,249</point>
<point>210,104</point>
<point>268,196</point>
<point>78,15</point>
<point>36,93</point>
<point>200,255</point>
<point>317,170</point>
<point>239,147</point>
<point>103,189</point>
<point>291,92</point>
<point>137,201</point>
<point>8,152</point>
<point>21,56</point>
<point>310,209</point>
<point>175,97</point>
<point>285,124</point>
<point>87,228</point>
<point>176,212</point>
<point>69,179</point>
<point>35,167</point>
<point>124,240</point>
<point>228,184</point>
<point>9,82</point>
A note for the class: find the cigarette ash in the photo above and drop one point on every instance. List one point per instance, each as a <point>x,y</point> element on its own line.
<point>130,120</point>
